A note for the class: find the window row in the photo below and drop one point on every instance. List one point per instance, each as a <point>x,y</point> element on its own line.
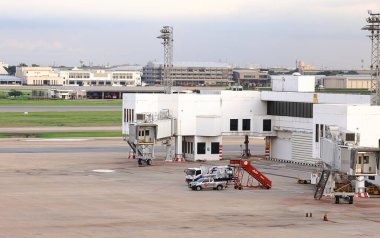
<point>290,109</point>
<point>201,148</point>
<point>187,147</point>
<point>234,124</point>
<point>128,115</point>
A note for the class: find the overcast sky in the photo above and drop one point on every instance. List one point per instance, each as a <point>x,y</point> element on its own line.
<point>323,33</point>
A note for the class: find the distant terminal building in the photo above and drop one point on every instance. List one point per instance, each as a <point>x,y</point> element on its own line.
<point>360,81</point>
<point>251,77</point>
<point>38,76</point>
<point>189,73</point>
<point>48,76</point>
<point>103,77</point>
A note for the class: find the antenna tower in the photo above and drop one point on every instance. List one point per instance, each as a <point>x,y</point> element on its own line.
<point>373,27</point>
<point>167,36</point>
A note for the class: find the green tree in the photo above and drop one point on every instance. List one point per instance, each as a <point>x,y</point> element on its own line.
<point>14,93</point>
<point>11,70</point>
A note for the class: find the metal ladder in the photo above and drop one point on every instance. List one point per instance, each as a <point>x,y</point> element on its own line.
<point>136,150</point>
<point>322,184</point>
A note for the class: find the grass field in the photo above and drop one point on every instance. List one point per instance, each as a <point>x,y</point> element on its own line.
<point>9,119</point>
<point>62,134</point>
<point>21,102</point>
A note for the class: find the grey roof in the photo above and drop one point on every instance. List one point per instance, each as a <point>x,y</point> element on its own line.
<point>127,68</point>
<point>350,76</point>
<point>9,78</point>
<point>193,64</point>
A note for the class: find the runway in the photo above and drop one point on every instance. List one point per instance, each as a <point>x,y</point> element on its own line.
<point>58,108</point>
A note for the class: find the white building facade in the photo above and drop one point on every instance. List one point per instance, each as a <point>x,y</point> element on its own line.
<point>96,77</point>
<point>291,117</point>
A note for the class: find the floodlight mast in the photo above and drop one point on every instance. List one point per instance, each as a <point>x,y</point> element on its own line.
<point>373,27</point>
<point>167,36</point>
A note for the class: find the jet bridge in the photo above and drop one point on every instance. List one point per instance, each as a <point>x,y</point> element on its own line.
<point>146,132</point>
<point>343,157</point>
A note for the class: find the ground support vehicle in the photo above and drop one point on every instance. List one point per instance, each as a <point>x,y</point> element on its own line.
<point>207,183</point>
<point>218,173</point>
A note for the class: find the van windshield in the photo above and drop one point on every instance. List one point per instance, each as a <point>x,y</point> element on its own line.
<point>190,171</point>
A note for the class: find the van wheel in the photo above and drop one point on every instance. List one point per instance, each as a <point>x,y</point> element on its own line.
<point>337,200</point>
<point>199,188</point>
<point>219,187</point>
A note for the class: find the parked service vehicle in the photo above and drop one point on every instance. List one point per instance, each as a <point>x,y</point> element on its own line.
<point>219,173</point>
<point>207,183</point>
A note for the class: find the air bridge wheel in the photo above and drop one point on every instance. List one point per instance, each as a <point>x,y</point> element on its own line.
<point>140,162</point>
<point>351,201</point>
<point>149,162</point>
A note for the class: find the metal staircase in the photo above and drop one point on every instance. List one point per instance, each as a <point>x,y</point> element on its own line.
<point>253,173</point>
<point>320,188</point>
<point>136,150</point>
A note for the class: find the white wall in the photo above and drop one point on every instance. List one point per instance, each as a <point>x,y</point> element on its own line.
<point>281,146</point>
<point>290,83</point>
<point>366,121</point>
<point>192,105</point>
<point>208,155</point>
<point>240,105</point>
<point>292,123</point>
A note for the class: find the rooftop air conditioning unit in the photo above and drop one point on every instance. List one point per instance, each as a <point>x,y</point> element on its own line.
<point>140,117</point>
<point>349,137</point>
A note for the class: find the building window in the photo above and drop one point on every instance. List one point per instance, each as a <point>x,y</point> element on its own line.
<point>234,124</point>
<point>246,124</point>
<point>201,148</point>
<point>214,148</point>
<point>267,125</point>
<point>129,115</point>
<point>322,133</point>
<point>291,109</point>
<point>316,132</point>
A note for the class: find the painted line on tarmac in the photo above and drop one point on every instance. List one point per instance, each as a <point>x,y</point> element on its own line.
<point>38,140</point>
<point>103,170</point>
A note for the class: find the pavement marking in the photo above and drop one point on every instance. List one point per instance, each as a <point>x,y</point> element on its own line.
<point>38,140</point>
<point>103,170</point>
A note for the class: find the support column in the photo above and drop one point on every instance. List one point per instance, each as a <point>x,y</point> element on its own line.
<point>360,184</point>
<point>267,147</point>
<point>178,148</point>
<point>168,146</point>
